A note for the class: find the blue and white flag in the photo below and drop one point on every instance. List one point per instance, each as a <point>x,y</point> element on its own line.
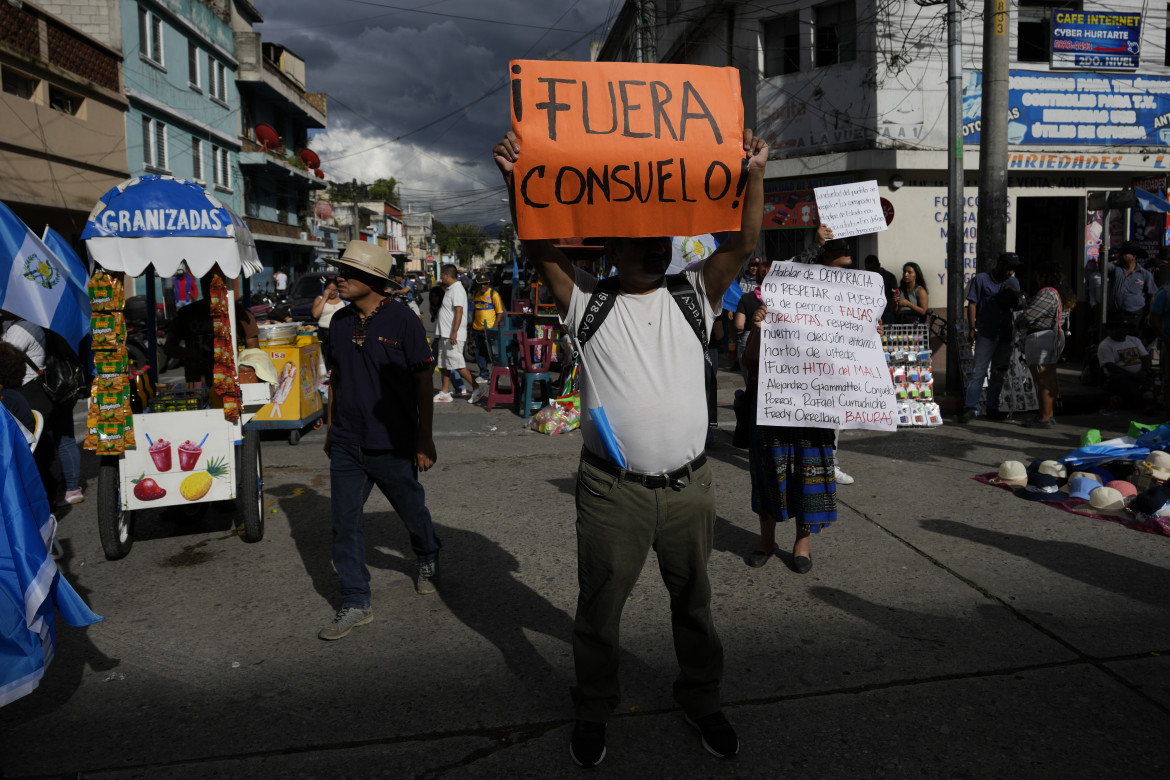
<point>37,285</point>
<point>31,586</point>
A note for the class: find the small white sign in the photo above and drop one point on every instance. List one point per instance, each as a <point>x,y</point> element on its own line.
<point>851,209</point>
<point>821,358</point>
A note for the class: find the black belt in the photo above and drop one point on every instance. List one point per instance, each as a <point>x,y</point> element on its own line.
<point>671,479</point>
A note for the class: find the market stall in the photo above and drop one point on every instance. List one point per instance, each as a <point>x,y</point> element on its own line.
<point>187,446</point>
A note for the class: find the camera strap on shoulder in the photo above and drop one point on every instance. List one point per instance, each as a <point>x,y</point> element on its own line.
<point>605,296</point>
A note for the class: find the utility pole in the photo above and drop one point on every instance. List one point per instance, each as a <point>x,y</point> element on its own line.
<point>955,198</point>
<point>992,224</point>
<point>649,32</point>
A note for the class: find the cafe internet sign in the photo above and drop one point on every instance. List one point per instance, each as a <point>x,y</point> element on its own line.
<point>1096,41</point>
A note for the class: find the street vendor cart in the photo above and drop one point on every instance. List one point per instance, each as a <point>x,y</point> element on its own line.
<point>188,445</point>
<point>296,401</point>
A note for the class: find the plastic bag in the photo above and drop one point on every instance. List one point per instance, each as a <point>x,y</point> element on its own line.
<point>562,416</point>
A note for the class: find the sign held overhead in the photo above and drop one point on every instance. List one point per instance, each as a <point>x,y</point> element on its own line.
<point>626,149</point>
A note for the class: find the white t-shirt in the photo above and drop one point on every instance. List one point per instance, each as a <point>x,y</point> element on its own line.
<point>455,296</point>
<point>644,366</point>
<point>327,312</point>
<point>281,280</point>
<point>1127,353</point>
<point>29,339</point>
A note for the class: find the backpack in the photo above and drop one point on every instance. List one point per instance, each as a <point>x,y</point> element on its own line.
<point>63,377</point>
<point>605,296</point>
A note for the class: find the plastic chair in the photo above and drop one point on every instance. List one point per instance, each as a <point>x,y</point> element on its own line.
<point>501,342</point>
<point>534,361</point>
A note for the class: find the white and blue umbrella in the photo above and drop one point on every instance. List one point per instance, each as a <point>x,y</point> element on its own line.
<point>162,221</point>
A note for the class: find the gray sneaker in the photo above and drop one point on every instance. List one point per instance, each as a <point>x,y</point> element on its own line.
<point>428,575</point>
<point>345,620</point>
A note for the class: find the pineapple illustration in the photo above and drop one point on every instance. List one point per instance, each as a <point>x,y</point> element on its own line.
<point>195,486</point>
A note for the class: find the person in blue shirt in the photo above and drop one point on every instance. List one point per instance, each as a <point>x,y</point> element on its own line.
<point>990,301</point>
<point>380,427</point>
<point>1131,286</point>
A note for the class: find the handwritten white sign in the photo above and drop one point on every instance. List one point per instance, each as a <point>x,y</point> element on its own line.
<point>851,209</point>
<point>821,359</point>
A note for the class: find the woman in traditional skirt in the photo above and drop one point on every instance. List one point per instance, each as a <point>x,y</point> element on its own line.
<point>792,473</point>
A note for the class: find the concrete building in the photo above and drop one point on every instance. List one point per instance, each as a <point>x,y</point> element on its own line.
<point>421,247</point>
<point>849,91</point>
<point>276,114</point>
<point>63,135</point>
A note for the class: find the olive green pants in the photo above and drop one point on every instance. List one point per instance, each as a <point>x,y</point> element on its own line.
<point>618,522</point>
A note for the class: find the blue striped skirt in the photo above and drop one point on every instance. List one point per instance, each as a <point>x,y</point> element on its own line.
<point>792,473</point>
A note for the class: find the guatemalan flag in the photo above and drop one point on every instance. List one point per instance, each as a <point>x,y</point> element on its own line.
<point>39,286</point>
<point>31,586</point>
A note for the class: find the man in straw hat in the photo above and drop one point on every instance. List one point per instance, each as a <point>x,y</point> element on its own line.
<point>644,361</point>
<point>380,433</point>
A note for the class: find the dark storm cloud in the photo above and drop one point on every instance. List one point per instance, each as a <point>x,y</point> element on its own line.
<point>388,73</point>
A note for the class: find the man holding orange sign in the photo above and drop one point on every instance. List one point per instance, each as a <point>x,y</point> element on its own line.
<point>643,481</point>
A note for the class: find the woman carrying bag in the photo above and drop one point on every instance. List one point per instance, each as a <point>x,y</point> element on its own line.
<point>1044,339</point>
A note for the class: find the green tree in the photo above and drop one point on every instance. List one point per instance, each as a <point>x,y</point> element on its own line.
<point>385,189</point>
<point>507,243</point>
<point>463,240</point>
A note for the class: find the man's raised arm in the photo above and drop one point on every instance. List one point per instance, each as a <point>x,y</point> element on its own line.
<point>724,264</point>
<point>552,265</point>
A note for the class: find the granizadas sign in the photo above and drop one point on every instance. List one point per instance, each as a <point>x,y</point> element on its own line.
<point>1096,41</point>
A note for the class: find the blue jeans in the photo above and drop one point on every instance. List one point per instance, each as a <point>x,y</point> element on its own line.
<point>481,353</point>
<point>993,354</point>
<point>353,472</point>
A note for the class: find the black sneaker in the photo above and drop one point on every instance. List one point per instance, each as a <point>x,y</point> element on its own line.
<point>588,744</point>
<point>718,736</point>
<point>964,417</point>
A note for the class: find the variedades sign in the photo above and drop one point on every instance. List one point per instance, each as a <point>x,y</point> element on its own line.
<point>1070,109</point>
<point>626,149</point>
<point>1085,39</point>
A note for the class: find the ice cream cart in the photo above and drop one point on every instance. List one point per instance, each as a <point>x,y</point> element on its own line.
<point>187,446</point>
<point>296,402</point>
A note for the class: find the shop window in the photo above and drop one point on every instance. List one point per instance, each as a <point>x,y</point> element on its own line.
<point>16,83</point>
<point>1034,28</point>
<point>834,34</point>
<point>197,159</point>
<point>150,37</point>
<point>193,66</point>
<point>782,45</point>
<point>65,102</point>
<point>221,169</point>
<point>216,79</point>
<point>154,144</point>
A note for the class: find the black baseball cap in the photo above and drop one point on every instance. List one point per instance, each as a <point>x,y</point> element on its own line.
<point>1011,258</point>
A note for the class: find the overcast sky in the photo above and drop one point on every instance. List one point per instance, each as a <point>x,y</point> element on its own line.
<point>389,72</point>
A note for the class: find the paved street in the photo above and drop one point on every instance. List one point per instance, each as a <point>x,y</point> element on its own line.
<point>947,629</point>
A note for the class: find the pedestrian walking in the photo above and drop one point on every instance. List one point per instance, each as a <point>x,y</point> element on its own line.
<point>487,307</point>
<point>661,496</point>
<point>380,431</point>
<point>1044,338</point>
<point>991,298</point>
<point>451,333</point>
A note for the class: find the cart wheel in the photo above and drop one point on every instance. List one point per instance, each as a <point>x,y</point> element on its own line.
<point>319,423</point>
<point>294,436</point>
<point>251,500</point>
<point>115,524</point>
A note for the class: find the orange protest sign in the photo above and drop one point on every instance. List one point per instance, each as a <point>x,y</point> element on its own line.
<point>626,149</point>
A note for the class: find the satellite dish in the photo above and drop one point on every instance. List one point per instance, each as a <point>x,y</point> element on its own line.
<point>320,173</point>
<point>310,158</point>
<point>268,137</point>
